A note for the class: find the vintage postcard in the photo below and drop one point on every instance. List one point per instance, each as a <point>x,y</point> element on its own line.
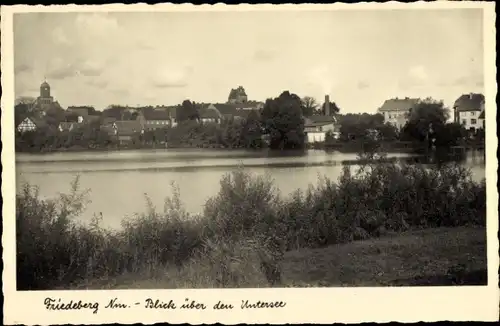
<point>249,163</point>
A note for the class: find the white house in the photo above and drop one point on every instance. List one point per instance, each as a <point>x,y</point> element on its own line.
<point>29,124</point>
<point>317,126</point>
<point>397,111</point>
<point>469,111</point>
<point>66,126</point>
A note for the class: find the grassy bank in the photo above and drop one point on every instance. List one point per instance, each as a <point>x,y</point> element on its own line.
<point>445,256</point>
<point>248,233</point>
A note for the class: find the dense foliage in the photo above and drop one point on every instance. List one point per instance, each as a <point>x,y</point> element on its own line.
<point>282,119</point>
<point>246,224</point>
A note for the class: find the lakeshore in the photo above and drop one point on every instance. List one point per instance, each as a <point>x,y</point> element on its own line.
<point>114,176</point>
<point>253,222</point>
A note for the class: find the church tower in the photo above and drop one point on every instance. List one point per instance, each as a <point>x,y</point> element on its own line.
<point>45,98</point>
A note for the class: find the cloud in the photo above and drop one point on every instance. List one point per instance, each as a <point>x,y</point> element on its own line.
<point>416,76</point>
<point>60,69</point>
<point>322,76</point>
<point>19,69</point>
<point>172,77</point>
<point>363,85</point>
<point>418,73</point>
<point>59,36</point>
<point>90,68</point>
<point>263,55</point>
<point>98,83</point>
<point>96,23</point>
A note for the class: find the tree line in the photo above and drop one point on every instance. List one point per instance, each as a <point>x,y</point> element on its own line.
<point>278,125</point>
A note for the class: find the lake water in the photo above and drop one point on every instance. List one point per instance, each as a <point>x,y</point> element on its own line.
<point>118,181</point>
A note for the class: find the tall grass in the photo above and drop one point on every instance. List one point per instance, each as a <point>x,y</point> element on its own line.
<point>244,230</point>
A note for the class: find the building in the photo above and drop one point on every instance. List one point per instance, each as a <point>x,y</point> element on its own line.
<point>210,114</point>
<point>482,121</point>
<point>237,95</point>
<point>125,131</point>
<point>469,111</point>
<point>317,126</point>
<point>30,124</point>
<point>397,111</point>
<point>66,126</point>
<point>228,111</point>
<point>152,119</point>
<point>45,100</point>
<point>83,114</point>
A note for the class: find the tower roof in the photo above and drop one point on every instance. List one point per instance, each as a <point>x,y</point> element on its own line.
<point>45,84</point>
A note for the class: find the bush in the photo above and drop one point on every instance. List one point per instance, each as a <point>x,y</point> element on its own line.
<point>245,229</point>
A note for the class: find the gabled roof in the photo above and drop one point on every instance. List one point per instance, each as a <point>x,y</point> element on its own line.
<point>317,118</point>
<point>482,115</point>
<point>39,122</point>
<point>156,114</point>
<point>83,111</point>
<point>469,102</point>
<point>397,104</point>
<point>127,127</point>
<point>170,110</point>
<point>66,125</point>
<point>108,120</point>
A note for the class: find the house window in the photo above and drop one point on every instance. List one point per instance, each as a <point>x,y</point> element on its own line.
<point>473,113</point>
<point>473,121</point>
<point>464,121</point>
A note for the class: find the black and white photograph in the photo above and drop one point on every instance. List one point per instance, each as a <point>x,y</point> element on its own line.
<point>248,149</point>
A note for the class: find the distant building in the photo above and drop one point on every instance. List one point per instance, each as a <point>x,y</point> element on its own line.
<point>66,126</point>
<point>317,126</point>
<point>152,119</point>
<point>45,102</point>
<point>237,95</point>
<point>30,124</point>
<point>125,131</point>
<point>469,111</point>
<point>45,99</point>
<point>397,111</point>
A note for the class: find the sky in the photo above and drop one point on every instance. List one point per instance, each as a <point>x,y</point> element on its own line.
<point>359,58</point>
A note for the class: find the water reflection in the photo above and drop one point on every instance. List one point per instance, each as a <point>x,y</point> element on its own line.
<point>119,180</point>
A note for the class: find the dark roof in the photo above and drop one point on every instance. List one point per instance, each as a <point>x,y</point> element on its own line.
<point>170,110</point>
<point>78,110</point>
<point>482,115</point>
<point>127,127</point>
<point>108,120</point>
<point>317,118</point>
<point>469,102</point>
<point>397,104</point>
<point>156,114</point>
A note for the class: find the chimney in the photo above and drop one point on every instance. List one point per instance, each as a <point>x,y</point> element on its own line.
<point>327,105</point>
<point>470,96</point>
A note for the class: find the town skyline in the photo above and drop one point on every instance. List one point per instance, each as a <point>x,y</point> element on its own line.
<point>86,66</point>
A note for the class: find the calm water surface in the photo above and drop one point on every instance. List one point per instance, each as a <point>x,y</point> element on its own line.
<point>118,181</point>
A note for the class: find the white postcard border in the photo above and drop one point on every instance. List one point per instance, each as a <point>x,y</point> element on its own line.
<point>313,305</point>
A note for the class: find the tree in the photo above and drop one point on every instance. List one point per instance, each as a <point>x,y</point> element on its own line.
<point>252,132</point>
<point>187,111</point>
<point>359,126</point>
<point>426,118</point>
<point>309,106</point>
<point>282,120</point>
<point>334,109</point>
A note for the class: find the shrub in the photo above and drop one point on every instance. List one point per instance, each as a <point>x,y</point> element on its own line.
<point>241,237</point>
